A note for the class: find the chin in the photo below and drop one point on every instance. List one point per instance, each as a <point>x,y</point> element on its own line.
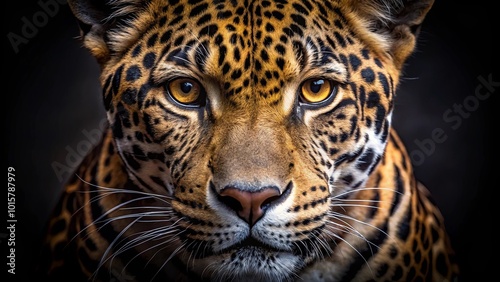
<point>250,263</point>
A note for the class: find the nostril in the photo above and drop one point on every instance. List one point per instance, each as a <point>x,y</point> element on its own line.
<point>267,202</point>
<point>239,201</point>
<point>231,202</point>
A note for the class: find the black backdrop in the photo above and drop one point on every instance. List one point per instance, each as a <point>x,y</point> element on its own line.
<point>53,112</point>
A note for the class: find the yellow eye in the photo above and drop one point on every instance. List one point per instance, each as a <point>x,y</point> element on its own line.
<point>186,91</point>
<point>316,90</point>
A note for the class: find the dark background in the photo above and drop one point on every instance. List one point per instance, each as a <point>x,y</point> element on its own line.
<point>54,107</point>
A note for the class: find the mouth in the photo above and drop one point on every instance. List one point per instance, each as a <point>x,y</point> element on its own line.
<point>306,249</point>
<point>252,246</point>
<point>252,243</point>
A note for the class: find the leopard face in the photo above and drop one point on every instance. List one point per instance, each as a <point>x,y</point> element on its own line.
<point>249,120</point>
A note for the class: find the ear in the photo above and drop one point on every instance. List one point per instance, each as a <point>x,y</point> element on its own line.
<point>99,20</point>
<point>395,22</point>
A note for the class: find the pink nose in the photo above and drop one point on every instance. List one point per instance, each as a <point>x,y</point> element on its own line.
<point>250,206</point>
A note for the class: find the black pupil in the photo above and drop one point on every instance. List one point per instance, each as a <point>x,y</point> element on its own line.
<point>316,85</point>
<point>186,87</point>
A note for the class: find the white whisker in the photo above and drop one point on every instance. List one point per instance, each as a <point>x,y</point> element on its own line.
<point>351,246</point>
<point>150,235</point>
<point>364,189</point>
<point>339,215</point>
<point>105,256</point>
<point>174,253</point>
<point>343,205</point>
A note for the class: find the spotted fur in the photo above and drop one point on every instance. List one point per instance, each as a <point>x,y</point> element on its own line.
<point>219,166</point>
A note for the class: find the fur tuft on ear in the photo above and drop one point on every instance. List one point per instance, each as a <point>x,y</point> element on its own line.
<point>101,21</point>
<point>394,24</point>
